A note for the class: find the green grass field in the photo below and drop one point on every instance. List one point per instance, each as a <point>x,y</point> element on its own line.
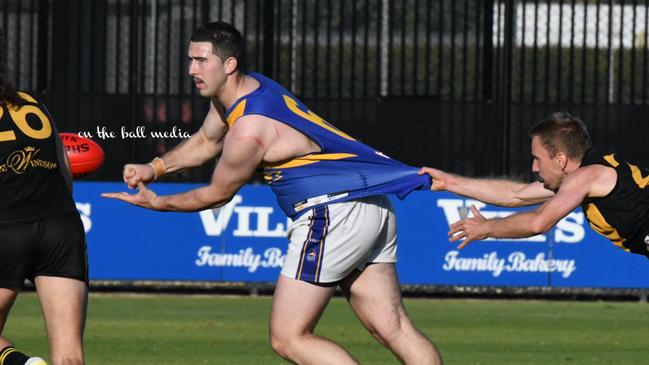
<point>178,330</point>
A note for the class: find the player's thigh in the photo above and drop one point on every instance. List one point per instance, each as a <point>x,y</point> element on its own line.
<point>61,278</point>
<point>7,298</point>
<point>375,296</point>
<point>297,306</point>
<point>18,254</point>
<point>64,302</point>
<point>62,247</point>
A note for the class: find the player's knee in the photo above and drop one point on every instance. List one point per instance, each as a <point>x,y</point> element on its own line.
<point>279,341</point>
<point>386,335</point>
<point>280,344</point>
<point>388,332</point>
<point>284,342</point>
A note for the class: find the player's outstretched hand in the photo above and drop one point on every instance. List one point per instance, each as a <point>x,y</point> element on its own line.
<point>469,229</point>
<point>145,197</point>
<point>439,178</point>
<point>137,173</point>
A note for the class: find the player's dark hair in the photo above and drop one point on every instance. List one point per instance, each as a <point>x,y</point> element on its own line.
<point>8,95</point>
<point>561,132</point>
<point>226,41</point>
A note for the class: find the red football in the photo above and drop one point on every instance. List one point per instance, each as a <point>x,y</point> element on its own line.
<point>85,155</point>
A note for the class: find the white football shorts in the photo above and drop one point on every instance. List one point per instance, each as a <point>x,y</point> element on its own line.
<point>328,242</point>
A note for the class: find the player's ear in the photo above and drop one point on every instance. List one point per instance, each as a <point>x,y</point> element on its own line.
<point>561,159</point>
<point>231,64</point>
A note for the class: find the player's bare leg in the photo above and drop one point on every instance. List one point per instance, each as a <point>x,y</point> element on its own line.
<point>375,296</point>
<point>8,353</point>
<point>297,307</point>
<point>7,298</point>
<point>64,302</point>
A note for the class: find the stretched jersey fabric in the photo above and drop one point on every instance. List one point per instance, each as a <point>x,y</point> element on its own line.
<point>622,216</point>
<point>31,185</point>
<point>344,169</point>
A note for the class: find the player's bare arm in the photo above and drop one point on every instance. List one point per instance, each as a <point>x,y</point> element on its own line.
<point>591,181</point>
<point>244,148</point>
<point>203,145</point>
<point>501,192</point>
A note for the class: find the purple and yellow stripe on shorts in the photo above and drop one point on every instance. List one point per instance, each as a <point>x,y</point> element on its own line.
<point>311,257</point>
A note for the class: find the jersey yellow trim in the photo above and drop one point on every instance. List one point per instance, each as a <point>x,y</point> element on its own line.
<point>601,226</point>
<point>236,113</point>
<point>611,159</point>
<point>308,160</point>
<point>642,181</point>
<point>27,97</point>
<point>313,118</point>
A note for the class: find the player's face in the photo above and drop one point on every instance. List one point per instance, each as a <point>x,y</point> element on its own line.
<point>205,68</point>
<point>547,166</point>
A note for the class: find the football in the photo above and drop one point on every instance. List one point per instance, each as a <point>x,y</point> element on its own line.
<point>85,155</point>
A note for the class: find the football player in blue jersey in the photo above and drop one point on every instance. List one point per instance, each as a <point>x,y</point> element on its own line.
<point>333,187</point>
<point>612,192</point>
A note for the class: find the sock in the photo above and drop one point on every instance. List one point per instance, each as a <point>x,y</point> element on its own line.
<point>10,356</point>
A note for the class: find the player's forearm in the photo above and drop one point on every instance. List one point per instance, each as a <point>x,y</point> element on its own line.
<point>519,225</point>
<point>191,153</point>
<point>500,192</point>
<point>192,201</point>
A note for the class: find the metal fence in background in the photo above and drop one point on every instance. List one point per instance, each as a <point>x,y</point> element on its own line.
<point>453,84</point>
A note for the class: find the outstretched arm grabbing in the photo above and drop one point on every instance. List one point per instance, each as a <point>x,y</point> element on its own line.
<point>591,181</point>
<point>502,192</point>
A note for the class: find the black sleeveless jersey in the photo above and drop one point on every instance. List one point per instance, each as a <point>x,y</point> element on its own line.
<point>622,216</point>
<point>31,185</point>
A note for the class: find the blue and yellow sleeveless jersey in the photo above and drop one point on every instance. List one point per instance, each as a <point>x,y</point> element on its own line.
<point>344,169</point>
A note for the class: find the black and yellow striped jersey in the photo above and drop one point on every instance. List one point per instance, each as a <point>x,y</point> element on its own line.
<point>622,216</point>
<point>31,184</point>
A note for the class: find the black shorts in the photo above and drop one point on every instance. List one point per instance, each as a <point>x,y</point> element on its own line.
<point>52,246</point>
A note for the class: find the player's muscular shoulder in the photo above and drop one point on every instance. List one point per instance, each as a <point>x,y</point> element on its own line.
<point>280,141</point>
<point>252,128</point>
<point>604,180</point>
<point>597,180</point>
